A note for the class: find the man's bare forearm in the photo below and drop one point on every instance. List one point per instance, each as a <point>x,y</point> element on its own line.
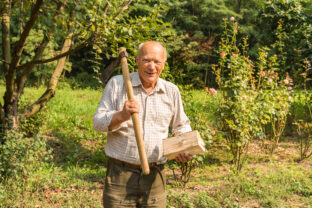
<point>117,119</point>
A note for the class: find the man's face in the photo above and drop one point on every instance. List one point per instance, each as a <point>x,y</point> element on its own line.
<point>150,61</point>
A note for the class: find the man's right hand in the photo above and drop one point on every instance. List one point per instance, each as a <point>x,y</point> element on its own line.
<point>130,107</point>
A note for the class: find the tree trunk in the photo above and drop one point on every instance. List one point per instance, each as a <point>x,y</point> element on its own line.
<point>10,97</point>
<point>6,53</point>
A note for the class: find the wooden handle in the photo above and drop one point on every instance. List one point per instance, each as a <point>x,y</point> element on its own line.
<point>135,116</point>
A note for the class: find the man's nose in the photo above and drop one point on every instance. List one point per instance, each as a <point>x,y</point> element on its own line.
<point>152,64</point>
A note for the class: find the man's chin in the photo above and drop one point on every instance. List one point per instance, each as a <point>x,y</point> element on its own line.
<point>150,80</point>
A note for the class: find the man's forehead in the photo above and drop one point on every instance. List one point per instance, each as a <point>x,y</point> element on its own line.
<point>152,46</point>
<point>151,49</point>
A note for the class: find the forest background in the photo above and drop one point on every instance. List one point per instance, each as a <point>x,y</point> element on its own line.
<point>231,59</point>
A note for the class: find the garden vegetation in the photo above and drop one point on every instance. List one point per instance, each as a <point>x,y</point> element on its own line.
<point>243,68</point>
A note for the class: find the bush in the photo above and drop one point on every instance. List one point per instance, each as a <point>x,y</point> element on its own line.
<point>31,126</point>
<point>20,157</point>
<point>205,201</point>
<point>84,80</point>
<point>181,199</point>
<point>237,106</point>
<point>253,97</point>
<point>303,115</point>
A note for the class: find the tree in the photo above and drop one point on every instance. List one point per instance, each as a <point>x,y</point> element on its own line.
<point>70,25</point>
<point>198,24</point>
<point>288,23</point>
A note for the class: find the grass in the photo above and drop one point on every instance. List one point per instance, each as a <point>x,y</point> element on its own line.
<point>75,176</point>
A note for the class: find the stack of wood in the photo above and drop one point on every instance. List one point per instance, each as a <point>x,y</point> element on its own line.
<point>189,142</point>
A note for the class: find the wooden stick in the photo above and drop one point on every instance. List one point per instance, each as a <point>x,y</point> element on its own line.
<point>135,116</point>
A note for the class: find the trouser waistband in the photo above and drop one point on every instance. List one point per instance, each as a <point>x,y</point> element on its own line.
<point>130,165</point>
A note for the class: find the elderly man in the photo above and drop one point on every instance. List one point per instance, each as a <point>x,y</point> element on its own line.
<point>159,105</point>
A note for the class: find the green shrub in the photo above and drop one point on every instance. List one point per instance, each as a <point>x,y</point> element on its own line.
<point>205,201</point>
<point>237,108</point>
<point>179,199</point>
<point>84,80</point>
<point>31,126</point>
<point>253,97</point>
<point>63,84</point>
<point>20,156</point>
<point>303,116</point>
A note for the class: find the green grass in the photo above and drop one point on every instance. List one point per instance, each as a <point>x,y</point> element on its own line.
<point>75,175</point>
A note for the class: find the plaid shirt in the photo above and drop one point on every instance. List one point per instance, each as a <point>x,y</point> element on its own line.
<point>159,110</point>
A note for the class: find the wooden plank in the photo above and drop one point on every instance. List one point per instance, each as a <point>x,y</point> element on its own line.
<point>189,142</point>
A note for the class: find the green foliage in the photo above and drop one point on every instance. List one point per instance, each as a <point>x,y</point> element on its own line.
<point>250,100</point>
<point>274,98</point>
<point>41,73</point>
<point>198,112</point>
<point>237,110</point>
<point>205,201</point>
<point>84,80</point>
<point>20,156</point>
<point>289,23</point>
<point>141,23</point>
<point>106,25</point>
<point>197,24</point>
<point>32,125</point>
<point>179,199</point>
<point>303,117</point>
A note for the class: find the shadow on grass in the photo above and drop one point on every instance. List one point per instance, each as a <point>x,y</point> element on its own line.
<point>88,164</point>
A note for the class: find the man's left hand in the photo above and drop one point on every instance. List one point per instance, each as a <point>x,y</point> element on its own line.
<point>183,157</point>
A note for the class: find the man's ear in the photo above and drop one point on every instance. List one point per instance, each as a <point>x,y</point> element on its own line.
<point>136,59</point>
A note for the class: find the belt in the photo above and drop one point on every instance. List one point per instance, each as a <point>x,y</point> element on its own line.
<point>158,167</point>
<point>130,165</point>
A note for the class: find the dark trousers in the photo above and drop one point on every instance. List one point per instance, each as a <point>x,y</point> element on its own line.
<point>128,187</point>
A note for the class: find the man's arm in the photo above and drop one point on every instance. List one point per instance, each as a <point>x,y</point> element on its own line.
<point>107,116</point>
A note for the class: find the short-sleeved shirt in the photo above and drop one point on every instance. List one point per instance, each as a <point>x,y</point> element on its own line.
<point>160,109</point>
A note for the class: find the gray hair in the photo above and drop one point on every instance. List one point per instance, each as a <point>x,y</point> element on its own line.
<point>141,45</point>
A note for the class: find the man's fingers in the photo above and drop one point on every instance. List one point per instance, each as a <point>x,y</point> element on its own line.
<point>132,106</point>
<point>183,157</point>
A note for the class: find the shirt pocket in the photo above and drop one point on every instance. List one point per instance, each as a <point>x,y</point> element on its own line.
<point>163,114</point>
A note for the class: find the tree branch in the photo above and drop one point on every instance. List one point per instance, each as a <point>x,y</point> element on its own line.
<point>108,71</point>
<point>49,93</point>
<point>36,107</point>
<point>21,79</point>
<point>123,8</point>
<point>107,6</point>
<point>6,48</point>
<point>69,52</point>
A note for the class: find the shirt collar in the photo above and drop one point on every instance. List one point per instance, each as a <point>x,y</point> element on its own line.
<point>136,81</point>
